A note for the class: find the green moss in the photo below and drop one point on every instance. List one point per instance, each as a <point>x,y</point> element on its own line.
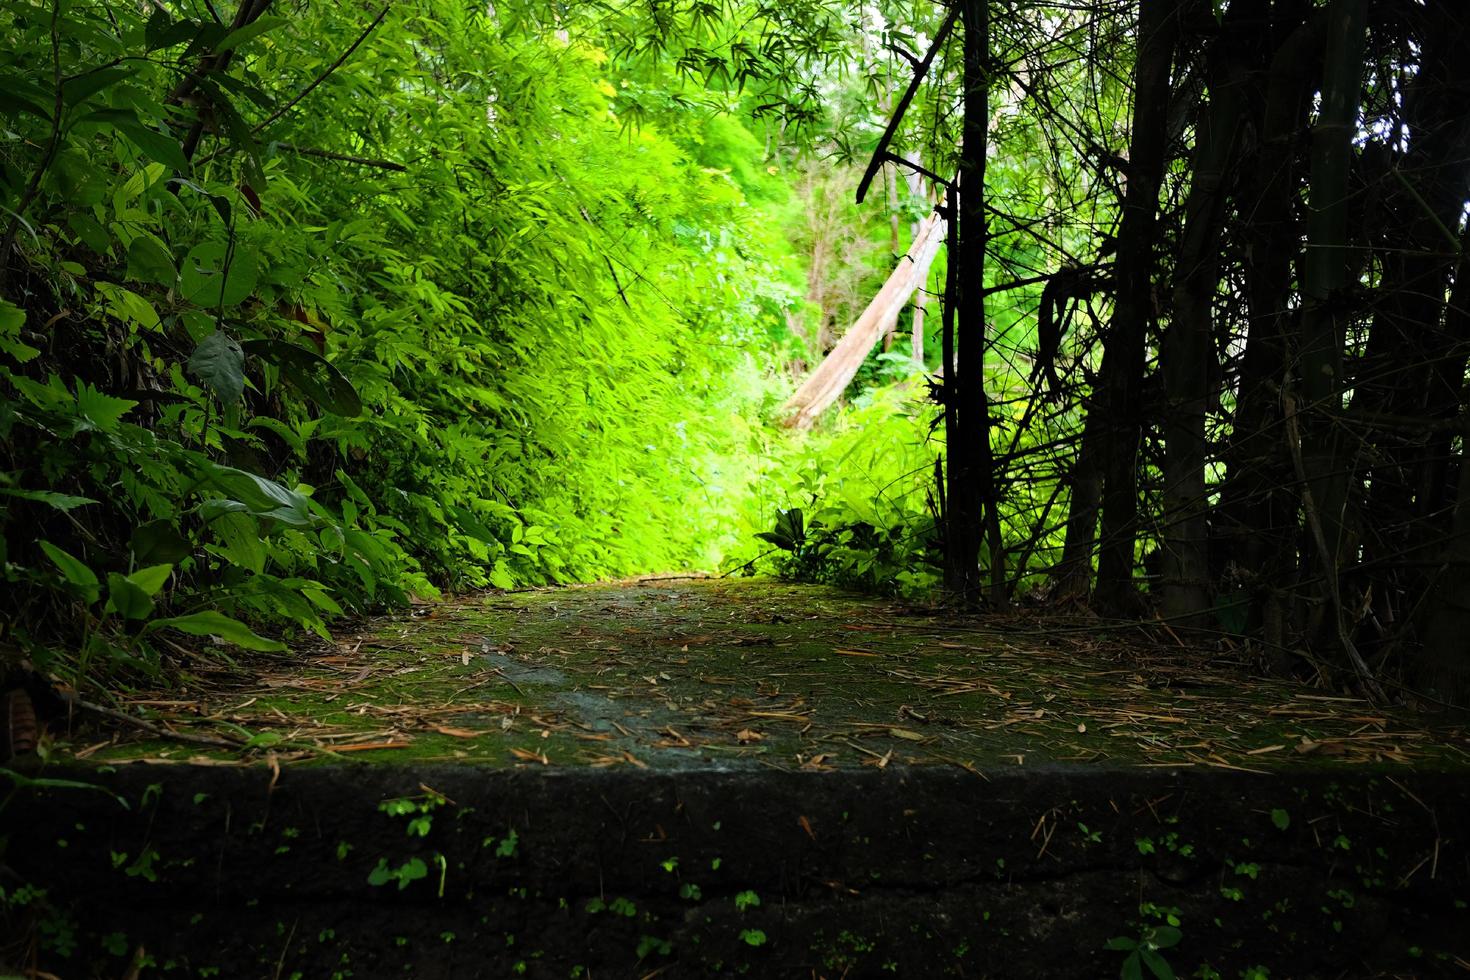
<point>677,674</point>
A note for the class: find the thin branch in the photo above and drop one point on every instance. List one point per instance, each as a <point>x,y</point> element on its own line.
<point>327,73</point>
<point>1309,507</point>
<point>152,728</point>
<point>311,151</point>
<point>881,153</point>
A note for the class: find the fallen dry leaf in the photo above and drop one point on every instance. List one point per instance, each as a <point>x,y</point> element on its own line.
<point>456,732</point>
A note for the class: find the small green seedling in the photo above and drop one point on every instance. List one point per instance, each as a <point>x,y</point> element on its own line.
<point>1144,952</point>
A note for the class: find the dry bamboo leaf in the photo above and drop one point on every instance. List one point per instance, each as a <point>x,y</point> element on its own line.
<point>456,732</point>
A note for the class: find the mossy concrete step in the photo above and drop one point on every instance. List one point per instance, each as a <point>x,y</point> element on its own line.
<point>929,871</point>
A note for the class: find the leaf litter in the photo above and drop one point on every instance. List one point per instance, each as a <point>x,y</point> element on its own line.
<point>699,673</point>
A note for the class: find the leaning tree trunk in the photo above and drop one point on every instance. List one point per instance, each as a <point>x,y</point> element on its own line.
<point>1125,345</point>
<point>824,385</point>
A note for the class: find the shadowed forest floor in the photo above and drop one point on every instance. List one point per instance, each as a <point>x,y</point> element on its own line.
<point>674,673</point>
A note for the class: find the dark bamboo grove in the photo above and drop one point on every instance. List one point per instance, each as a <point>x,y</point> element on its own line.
<point>1263,415</point>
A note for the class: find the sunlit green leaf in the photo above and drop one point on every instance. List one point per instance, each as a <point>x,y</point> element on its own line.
<point>220,625</point>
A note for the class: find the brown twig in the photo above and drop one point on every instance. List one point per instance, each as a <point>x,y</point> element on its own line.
<point>1334,591</point>
<point>153,728</point>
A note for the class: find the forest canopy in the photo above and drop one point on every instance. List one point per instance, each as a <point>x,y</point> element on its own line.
<point>308,310</point>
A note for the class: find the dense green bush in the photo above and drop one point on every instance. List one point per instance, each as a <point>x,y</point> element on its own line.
<point>431,318</point>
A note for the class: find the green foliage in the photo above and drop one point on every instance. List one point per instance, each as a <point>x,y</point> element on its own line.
<point>1144,952</point>
<point>864,520</point>
<point>447,321</point>
<point>410,871</point>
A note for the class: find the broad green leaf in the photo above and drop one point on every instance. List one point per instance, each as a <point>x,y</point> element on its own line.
<point>149,261</point>
<point>103,412</point>
<point>140,181</point>
<point>81,578</point>
<point>238,541</point>
<point>18,94</point>
<point>219,362</point>
<point>61,501</point>
<point>264,498</point>
<point>163,32</point>
<point>160,541</point>
<point>129,307</point>
<point>313,374</point>
<point>75,91</point>
<point>212,510</point>
<point>155,145</point>
<point>500,577</point>
<point>127,598</point>
<point>472,525</point>
<point>152,578</point>
<point>1156,964</point>
<point>12,320</point>
<point>1164,937</point>
<point>90,231</point>
<point>236,38</point>
<point>217,624</point>
<point>206,279</point>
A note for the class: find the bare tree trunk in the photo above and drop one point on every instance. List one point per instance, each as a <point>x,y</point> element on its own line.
<point>1256,517</point>
<point>1325,280</point>
<point>1073,574</point>
<point>972,512</point>
<point>1125,345</point>
<point>1187,351</point>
